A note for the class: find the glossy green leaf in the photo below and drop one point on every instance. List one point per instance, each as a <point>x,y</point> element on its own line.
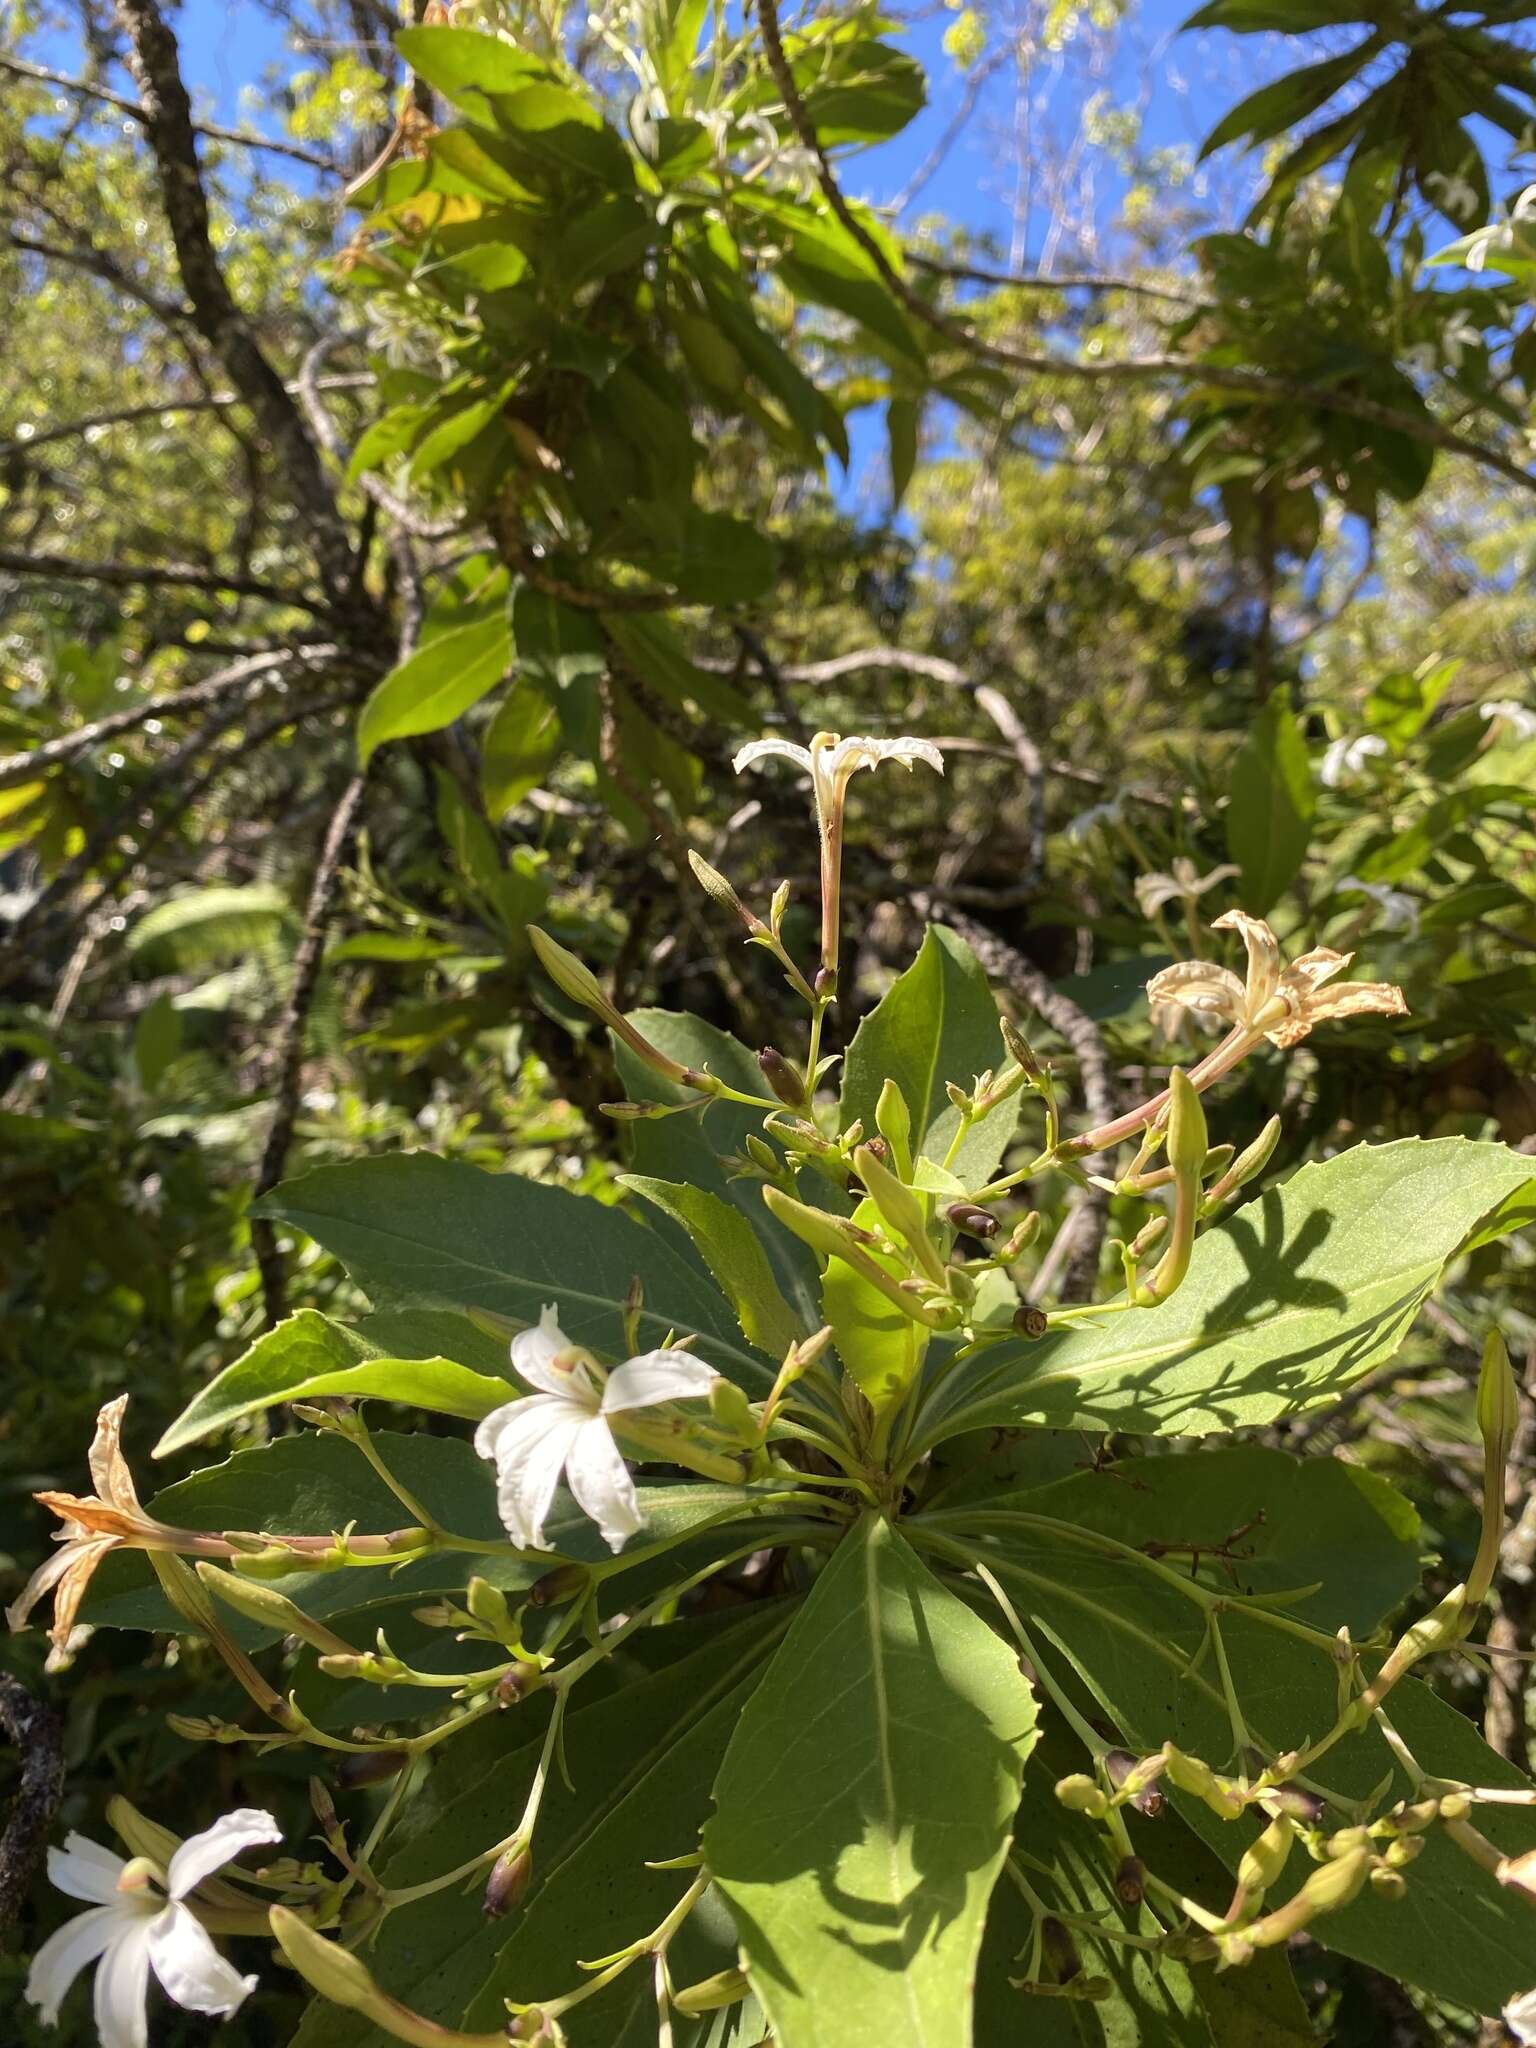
<point>307,1355</point>
<point>725,1241</point>
<point>881,1349</point>
<point>518,749</point>
<point>1402,703</point>
<point>467,65</point>
<point>417,1231</point>
<point>936,1023</point>
<point>1287,99</point>
<point>865,1804</point>
<point>438,684</point>
<point>1286,1304</point>
<point>1273,802</point>
<point>1407,851</point>
<point>901,428</point>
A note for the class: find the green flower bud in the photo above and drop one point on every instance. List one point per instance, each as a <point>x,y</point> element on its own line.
<point>1036,1073</point>
<point>1247,1166</point>
<point>1188,1138</point>
<point>1331,1886</point>
<point>582,986</point>
<point>333,1971</point>
<point>1193,1775</point>
<point>1081,1794</point>
<point>488,1605</point>
<point>1262,1862</point>
<point>1388,1883</point>
<point>264,1604</point>
<point>733,1411</point>
<point>711,1994</point>
<point>714,884</point>
<point>893,1120</point>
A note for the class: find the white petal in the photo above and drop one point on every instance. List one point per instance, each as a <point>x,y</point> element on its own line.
<point>1201,986</point>
<point>65,1954</point>
<point>201,1855</point>
<point>1520,2018</point>
<point>534,1352</point>
<point>85,1870</point>
<point>657,1376</point>
<point>122,1987</point>
<point>508,1431</point>
<point>42,1581</point>
<point>599,1478</point>
<point>1153,891</point>
<point>190,1967</point>
<point>765,750</point>
<point>849,755</point>
<point>530,1452</point>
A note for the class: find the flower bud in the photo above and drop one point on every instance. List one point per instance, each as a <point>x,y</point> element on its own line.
<point>974,1221</point>
<point>1193,1775</point>
<point>1405,1850</point>
<point>1081,1794</point>
<point>1262,1862</point>
<point>582,986</point>
<point>1135,1778</point>
<point>1060,1950</point>
<point>1330,1886</point>
<point>1021,1237</point>
<point>264,1604</point>
<point>1388,1883</point>
<point>1188,1138</point>
<point>901,1210</point>
<point>714,884</point>
<point>1247,1166</point>
<point>1302,1806</point>
<point>333,1971</point>
<point>1130,1881</point>
<point>762,1154</point>
<point>1036,1073</point>
<point>825,983</point>
<point>517,1682</point>
<point>711,1994</point>
<point>1030,1321</point>
<point>782,1076</point>
<point>511,1875</point>
<point>488,1605</point>
<point>1498,1416</point>
<point>893,1120</point>
<point>733,1411</point>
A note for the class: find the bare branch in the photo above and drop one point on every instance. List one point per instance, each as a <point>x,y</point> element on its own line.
<point>218,401</point>
<point>97,263</point>
<point>307,388</point>
<point>135,112</point>
<point>1041,281</point>
<point>154,60</point>
<point>132,575</point>
<point>260,672</point>
<point>36,1734</point>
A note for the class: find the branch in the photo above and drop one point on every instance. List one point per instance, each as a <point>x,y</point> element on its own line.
<point>131,575</point>
<point>260,672</point>
<point>135,112</point>
<point>1027,754</point>
<point>307,388</point>
<point>1039,281</point>
<point>290,1040</point>
<point>99,265</point>
<point>1183,369</point>
<point>216,401</point>
<point>36,1734</point>
<point>155,64</point>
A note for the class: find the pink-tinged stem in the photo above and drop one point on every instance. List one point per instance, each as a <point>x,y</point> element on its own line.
<point>1236,1046</point>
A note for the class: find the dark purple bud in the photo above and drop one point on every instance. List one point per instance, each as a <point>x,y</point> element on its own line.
<point>1131,1881</point>
<point>1030,1321</point>
<point>782,1076</point>
<point>1060,1949</point>
<point>511,1875</point>
<point>560,1584</point>
<point>825,983</point>
<point>516,1684</point>
<point>975,1221</point>
<point>370,1767</point>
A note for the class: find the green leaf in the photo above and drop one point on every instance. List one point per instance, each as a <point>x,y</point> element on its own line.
<point>1281,17</point>
<point>720,560</point>
<point>156,1041</point>
<point>1273,801</point>
<point>864,1806</point>
<point>417,1231</point>
<point>518,749</point>
<point>881,1349</point>
<point>560,650</point>
<point>1401,704</point>
<point>696,1148</point>
<point>438,684</point>
<point>642,1759</point>
<point>901,427</point>
<point>468,64</point>
<point>726,1242</point>
<point>306,1355</point>
<point>936,1023</point>
<point>1406,853</point>
<point>1135,1635</point>
<point>1288,1303</point>
<point>1264,1522</point>
<point>218,923</point>
<point>1287,100</point>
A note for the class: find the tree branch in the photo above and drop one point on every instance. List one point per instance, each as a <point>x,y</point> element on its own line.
<point>36,1734</point>
<point>259,673</point>
<point>1156,368</point>
<point>22,69</point>
<point>1039,281</point>
<point>155,64</point>
<point>218,401</point>
<point>100,265</point>
<point>131,575</point>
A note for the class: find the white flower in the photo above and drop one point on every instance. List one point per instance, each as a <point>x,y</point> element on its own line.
<point>1346,757</point>
<point>1153,891</point>
<point>1521,722</point>
<point>1520,2018</point>
<point>1459,336</point>
<point>1457,197</point>
<point>138,1923</point>
<point>831,763</point>
<point>1275,1001</point>
<point>1399,912</point>
<point>565,1427</point>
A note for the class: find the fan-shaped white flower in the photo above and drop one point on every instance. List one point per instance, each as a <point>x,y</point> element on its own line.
<point>138,1922</point>
<point>1457,196</point>
<point>1185,883</point>
<point>831,763</point>
<point>1346,757</point>
<point>1399,911</point>
<point>1520,2018</point>
<point>1519,721</point>
<point>565,1427</point>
